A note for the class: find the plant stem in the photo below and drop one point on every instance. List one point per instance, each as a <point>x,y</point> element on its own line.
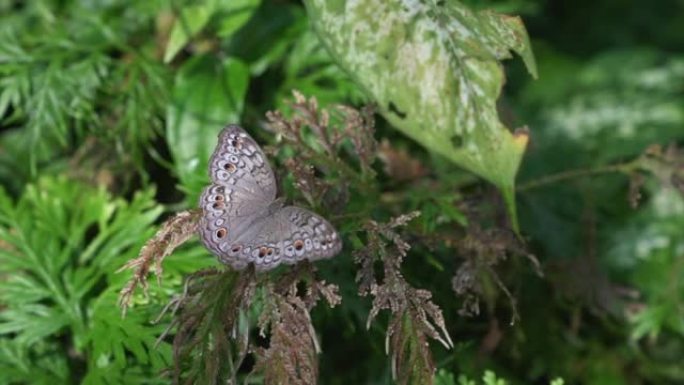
<point>623,168</point>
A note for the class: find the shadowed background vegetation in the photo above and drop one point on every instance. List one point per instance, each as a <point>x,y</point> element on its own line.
<point>109,111</point>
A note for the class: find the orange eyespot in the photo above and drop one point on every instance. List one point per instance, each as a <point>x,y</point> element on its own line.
<point>298,244</point>
<point>262,251</point>
<point>218,205</point>
<point>220,233</point>
<point>229,167</point>
<point>219,198</point>
<point>270,251</point>
<point>235,248</point>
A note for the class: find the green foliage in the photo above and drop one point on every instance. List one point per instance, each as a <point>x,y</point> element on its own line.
<point>59,288</point>
<point>309,66</point>
<point>57,68</point>
<point>109,111</point>
<point>631,96</point>
<point>205,94</point>
<point>658,275</point>
<point>488,378</point>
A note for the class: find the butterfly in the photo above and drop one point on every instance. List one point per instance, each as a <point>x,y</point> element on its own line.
<point>242,220</point>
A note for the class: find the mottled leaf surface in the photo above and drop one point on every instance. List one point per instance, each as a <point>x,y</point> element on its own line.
<point>433,68</point>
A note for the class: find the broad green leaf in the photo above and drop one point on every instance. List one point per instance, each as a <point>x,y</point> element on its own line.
<point>433,68</point>
<point>208,94</point>
<point>310,69</point>
<point>266,39</point>
<point>234,14</point>
<point>191,20</point>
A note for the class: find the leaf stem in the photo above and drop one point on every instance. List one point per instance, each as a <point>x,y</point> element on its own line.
<point>623,168</point>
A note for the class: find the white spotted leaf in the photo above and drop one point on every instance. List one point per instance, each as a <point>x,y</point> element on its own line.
<point>434,69</point>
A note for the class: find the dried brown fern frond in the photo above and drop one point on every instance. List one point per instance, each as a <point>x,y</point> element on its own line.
<point>359,128</point>
<point>318,137</point>
<point>483,250</point>
<point>210,343</point>
<point>173,232</point>
<point>414,319</point>
<point>291,357</point>
<point>307,183</point>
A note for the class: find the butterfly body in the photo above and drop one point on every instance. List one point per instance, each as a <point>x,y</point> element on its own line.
<point>244,223</point>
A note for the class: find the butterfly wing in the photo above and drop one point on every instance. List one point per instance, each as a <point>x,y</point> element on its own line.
<point>239,164</point>
<point>243,188</point>
<point>287,235</point>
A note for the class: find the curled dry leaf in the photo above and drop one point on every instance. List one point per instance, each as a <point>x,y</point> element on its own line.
<point>398,164</point>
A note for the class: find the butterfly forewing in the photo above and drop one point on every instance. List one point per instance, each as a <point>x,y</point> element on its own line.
<point>239,164</point>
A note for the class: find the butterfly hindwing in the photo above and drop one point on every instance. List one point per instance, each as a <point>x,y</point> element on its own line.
<point>289,235</point>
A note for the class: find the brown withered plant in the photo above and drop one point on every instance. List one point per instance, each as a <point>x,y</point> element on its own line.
<point>482,250</point>
<point>321,139</point>
<point>414,317</point>
<point>291,357</point>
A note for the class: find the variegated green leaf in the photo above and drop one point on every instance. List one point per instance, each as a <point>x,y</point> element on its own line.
<point>433,68</point>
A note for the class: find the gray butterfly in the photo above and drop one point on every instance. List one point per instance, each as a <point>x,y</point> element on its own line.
<point>244,223</point>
